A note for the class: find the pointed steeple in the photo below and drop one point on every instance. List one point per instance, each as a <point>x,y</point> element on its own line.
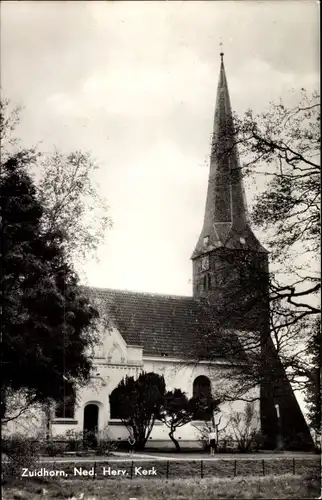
<point>225,220</point>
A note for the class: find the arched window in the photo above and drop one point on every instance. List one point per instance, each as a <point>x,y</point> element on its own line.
<point>202,393</point>
<point>114,404</point>
<point>65,407</point>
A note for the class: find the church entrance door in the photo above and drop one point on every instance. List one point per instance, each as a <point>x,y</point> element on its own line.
<point>91,425</point>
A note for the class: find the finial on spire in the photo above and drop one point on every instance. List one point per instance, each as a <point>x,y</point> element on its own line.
<point>221,53</point>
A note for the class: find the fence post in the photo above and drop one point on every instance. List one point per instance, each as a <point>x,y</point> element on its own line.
<point>293,466</point>
<point>263,467</point>
<point>235,468</point>
<point>201,469</point>
<point>168,464</point>
<point>94,470</point>
<point>131,470</point>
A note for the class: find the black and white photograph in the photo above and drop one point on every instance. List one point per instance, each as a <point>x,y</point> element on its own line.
<point>160,250</point>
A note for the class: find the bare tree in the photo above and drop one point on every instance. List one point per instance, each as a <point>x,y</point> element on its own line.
<point>282,146</point>
<point>245,427</point>
<point>223,438</point>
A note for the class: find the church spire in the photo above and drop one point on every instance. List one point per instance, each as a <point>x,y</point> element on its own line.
<point>225,220</point>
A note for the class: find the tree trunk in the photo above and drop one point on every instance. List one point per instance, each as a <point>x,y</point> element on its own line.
<point>48,421</point>
<point>3,403</point>
<point>140,445</point>
<point>173,439</point>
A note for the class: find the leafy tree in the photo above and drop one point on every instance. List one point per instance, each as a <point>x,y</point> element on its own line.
<point>63,196</point>
<point>9,119</point>
<point>177,410</point>
<point>72,203</point>
<point>313,390</point>
<point>47,324</point>
<point>138,404</point>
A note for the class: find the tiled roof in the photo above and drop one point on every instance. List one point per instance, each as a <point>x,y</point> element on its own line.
<point>164,325</point>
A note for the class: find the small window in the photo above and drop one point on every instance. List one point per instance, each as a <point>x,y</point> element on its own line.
<point>65,408</point>
<point>205,282</point>
<point>209,282</point>
<point>206,240</point>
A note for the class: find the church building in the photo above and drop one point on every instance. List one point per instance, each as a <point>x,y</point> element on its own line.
<point>197,343</point>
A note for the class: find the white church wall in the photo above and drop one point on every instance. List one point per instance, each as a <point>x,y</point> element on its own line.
<point>107,376</point>
<point>113,361</point>
<point>134,354</point>
<point>105,380</point>
<point>177,374</point>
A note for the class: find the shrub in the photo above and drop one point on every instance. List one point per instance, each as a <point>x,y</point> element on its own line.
<point>54,448</point>
<point>20,452</point>
<point>297,443</point>
<point>74,441</point>
<point>226,445</point>
<point>258,441</point>
<point>105,447</point>
<point>79,443</point>
<point>313,484</point>
<point>203,432</point>
<point>245,429</point>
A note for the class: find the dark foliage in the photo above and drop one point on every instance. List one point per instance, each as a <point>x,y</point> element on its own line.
<point>47,324</point>
<point>138,404</point>
<point>177,410</point>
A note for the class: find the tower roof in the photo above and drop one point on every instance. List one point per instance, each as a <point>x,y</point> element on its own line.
<point>225,222</point>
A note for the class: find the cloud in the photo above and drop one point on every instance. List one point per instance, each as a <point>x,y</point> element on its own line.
<point>135,83</point>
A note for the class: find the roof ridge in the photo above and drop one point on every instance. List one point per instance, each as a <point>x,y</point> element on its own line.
<point>149,294</point>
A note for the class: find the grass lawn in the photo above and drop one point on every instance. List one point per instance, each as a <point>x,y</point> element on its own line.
<point>270,487</point>
<point>190,469</point>
<point>183,480</point>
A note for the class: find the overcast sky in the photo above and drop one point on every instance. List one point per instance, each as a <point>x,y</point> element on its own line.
<point>135,84</point>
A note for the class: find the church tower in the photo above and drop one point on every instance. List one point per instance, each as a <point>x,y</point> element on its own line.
<point>230,271</point>
<point>228,258</point>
